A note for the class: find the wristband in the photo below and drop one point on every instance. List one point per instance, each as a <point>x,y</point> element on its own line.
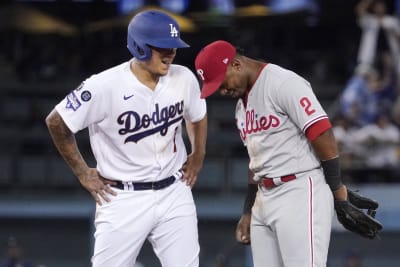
<point>331,168</point>
<point>250,197</point>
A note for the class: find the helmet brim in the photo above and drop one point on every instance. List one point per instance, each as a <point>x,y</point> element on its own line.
<point>169,43</point>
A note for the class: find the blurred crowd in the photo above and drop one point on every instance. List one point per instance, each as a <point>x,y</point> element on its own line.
<point>367,120</point>
<point>14,255</point>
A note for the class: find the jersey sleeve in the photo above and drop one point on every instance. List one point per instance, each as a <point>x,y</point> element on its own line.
<point>82,106</point>
<point>318,128</point>
<point>195,107</point>
<point>296,98</point>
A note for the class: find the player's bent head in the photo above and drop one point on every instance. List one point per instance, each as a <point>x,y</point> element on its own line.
<point>152,28</point>
<point>211,65</point>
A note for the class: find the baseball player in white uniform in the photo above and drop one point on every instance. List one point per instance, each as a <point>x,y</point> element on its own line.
<point>288,137</point>
<point>143,178</point>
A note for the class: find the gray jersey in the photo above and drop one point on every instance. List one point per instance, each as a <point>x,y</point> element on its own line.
<point>280,107</point>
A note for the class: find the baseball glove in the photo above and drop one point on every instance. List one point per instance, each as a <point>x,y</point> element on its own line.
<point>351,215</point>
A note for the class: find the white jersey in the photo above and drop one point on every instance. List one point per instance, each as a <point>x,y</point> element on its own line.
<point>135,132</point>
<point>272,124</point>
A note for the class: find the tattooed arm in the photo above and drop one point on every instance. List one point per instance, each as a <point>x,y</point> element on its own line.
<point>66,145</point>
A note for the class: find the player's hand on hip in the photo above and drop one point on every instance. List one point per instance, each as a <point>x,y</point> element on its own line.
<point>243,229</point>
<point>191,169</point>
<point>97,186</point>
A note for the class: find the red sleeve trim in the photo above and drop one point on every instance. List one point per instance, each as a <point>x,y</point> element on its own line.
<point>316,129</point>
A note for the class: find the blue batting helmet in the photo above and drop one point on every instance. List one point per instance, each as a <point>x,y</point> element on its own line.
<point>152,28</point>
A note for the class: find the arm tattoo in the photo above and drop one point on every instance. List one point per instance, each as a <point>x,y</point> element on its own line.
<point>65,143</point>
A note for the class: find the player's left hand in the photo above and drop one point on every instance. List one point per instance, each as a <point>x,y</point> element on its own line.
<point>243,229</point>
<point>351,215</point>
<point>191,168</point>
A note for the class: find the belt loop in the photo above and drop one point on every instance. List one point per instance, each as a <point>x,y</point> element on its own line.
<point>178,174</point>
<point>277,181</point>
<point>126,186</point>
<point>130,186</point>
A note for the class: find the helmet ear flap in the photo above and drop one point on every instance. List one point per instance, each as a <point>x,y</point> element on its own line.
<point>140,52</point>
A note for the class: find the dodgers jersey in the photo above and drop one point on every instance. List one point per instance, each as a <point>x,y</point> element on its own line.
<point>135,132</point>
<point>272,123</point>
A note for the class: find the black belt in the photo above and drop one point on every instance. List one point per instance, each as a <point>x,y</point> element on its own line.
<point>145,185</point>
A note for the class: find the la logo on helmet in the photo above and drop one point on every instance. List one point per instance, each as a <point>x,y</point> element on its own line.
<point>174,32</point>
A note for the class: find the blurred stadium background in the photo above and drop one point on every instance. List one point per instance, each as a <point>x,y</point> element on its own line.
<point>48,47</point>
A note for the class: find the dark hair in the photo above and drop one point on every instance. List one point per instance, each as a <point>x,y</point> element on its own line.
<point>239,50</point>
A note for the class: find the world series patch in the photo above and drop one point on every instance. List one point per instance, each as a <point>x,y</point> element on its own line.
<point>86,96</point>
<point>72,101</point>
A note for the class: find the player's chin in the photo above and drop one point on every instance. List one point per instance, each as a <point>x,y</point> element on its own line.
<point>163,69</point>
<point>163,72</point>
<point>233,94</point>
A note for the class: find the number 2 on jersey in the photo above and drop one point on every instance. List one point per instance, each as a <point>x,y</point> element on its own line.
<point>306,104</point>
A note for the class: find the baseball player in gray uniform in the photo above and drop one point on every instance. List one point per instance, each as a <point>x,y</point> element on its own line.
<point>143,178</point>
<point>288,137</point>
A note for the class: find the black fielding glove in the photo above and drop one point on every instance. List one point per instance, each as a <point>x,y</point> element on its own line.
<point>354,219</point>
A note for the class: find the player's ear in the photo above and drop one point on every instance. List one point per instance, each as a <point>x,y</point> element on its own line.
<point>236,64</point>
